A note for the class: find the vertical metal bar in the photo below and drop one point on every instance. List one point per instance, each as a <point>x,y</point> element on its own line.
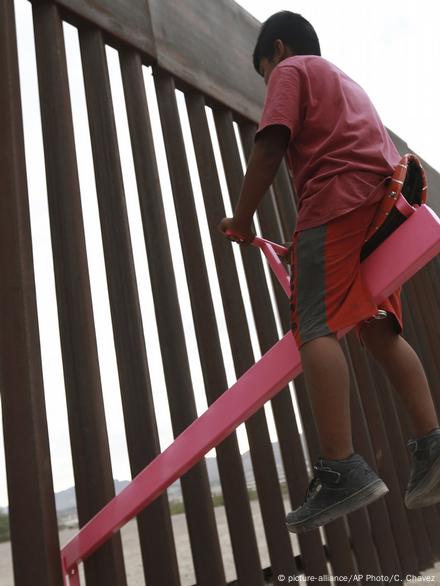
<point>423,293</point>
<point>90,450</point>
<point>270,221</point>
<point>233,482</point>
<point>140,424</point>
<point>338,544</point>
<point>398,448</point>
<point>384,460</point>
<point>285,200</point>
<point>363,531</point>
<point>380,521</point>
<point>158,549</point>
<point>312,554</point>
<point>432,270</point>
<point>396,436</point>
<point>195,485</point>
<point>426,320</point>
<point>412,334</point>
<point>262,457</point>
<point>428,277</point>
<point>33,521</point>
<point>378,528</point>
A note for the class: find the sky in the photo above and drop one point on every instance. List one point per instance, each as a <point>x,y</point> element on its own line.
<point>391,48</point>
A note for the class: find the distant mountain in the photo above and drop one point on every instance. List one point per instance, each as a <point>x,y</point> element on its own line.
<point>248,469</point>
<point>66,501</point>
<point>214,476</point>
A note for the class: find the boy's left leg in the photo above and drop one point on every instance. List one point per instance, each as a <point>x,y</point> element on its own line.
<point>407,376</point>
<point>343,481</point>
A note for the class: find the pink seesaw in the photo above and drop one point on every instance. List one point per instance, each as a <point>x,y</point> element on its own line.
<point>396,260</point>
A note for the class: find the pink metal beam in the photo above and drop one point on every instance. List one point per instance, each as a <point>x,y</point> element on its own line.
<point>407,250</point>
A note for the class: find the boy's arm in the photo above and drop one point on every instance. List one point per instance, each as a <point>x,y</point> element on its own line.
<point>264,161</point>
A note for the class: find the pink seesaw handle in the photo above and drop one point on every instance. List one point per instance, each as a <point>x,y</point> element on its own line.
<point>277,248</point>
<point>270,251</point>
<point>258,242</point>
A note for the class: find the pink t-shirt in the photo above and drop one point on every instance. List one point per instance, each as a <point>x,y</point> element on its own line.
<point>339,152</point>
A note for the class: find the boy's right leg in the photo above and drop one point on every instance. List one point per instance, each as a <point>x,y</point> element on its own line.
<point>328,381</point>
<point>405,371</point>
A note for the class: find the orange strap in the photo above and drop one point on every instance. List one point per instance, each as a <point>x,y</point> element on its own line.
<point>395,193</point>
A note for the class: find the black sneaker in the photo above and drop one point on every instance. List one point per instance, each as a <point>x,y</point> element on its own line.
<point>338,487</point>
<point>423,488</point>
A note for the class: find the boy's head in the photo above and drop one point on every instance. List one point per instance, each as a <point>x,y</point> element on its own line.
<point>282,35</point>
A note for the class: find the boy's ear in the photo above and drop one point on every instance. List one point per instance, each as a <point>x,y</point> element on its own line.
<point>279,50</point>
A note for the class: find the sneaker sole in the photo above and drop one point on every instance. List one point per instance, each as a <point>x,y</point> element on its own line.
<point>361,498</point>
<point>428,490</point>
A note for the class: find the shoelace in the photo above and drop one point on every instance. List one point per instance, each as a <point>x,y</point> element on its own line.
<point>312,487</point>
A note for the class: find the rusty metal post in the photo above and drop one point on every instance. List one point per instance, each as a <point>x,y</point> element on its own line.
<point>158,548</point>
<point>233,482</point>
<point>412,334</point>
<point>312,553</point>
<point>264,465</point>
<point>380,517</point>
<point>426,321</point>
<point>394,429</point>
<point>338,546</point>
<point>33,521</point>
<point>423,292</point>
<point>195,485</point>
<point>90,450</point>
<point>285,201</point>
<point>384,460</point>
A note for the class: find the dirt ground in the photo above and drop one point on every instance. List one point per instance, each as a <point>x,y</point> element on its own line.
<point>133,558</point>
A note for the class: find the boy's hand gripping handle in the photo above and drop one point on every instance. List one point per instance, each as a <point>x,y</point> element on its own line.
<point>271,251</point>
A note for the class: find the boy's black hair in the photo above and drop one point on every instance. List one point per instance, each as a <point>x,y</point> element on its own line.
<point>293,29</point>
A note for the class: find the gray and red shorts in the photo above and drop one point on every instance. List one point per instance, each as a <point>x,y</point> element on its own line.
<point>327,290</point>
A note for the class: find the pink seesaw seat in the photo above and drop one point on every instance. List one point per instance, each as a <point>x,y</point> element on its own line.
<point>396,260</point>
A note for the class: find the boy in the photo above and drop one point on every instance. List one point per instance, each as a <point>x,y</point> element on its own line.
<point>341,156</point>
